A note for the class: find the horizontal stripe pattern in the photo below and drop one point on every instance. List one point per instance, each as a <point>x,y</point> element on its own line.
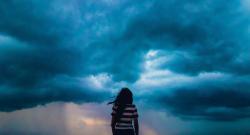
<point>124,128</point>
<point>128,115</point>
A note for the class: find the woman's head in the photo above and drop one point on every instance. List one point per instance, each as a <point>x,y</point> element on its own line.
<point>125,96</point>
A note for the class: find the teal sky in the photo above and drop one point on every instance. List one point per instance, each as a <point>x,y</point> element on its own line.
<point>186,61</point>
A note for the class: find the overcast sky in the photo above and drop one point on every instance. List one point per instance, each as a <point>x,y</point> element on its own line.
<point>186,61</point>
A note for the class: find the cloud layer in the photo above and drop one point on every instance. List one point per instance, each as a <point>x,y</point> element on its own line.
<point>191,57</point>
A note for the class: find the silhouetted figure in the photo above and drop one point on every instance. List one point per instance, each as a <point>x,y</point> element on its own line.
<point>124,116</point>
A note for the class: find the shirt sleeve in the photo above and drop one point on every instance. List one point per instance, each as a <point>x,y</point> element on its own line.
<point>114,110</point>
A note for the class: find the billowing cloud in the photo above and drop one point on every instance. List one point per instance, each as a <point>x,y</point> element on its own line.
<point>208,102</point>
<point>190,57</point>
<point>209,95</point>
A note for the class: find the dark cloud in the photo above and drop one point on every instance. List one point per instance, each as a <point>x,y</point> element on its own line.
<point>212,35</point>
<point>223,101</point>
<point>25,66</point>
<point>41,41</point>
<point>37,21</point>
<point>205,36</point>
<point>60,88</point>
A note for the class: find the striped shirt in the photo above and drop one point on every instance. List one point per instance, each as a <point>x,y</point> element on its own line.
<point>128,115</point>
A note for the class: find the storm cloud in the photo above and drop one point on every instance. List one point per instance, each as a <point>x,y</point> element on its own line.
<point>75,51</point>
<point>218,101</point>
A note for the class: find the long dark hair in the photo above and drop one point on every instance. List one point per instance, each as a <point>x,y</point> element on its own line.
<point>125,96</point>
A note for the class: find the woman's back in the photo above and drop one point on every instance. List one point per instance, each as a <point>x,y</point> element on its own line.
<point>129,113</point>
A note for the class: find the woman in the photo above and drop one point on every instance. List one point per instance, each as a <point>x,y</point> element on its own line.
<point>124,116</point>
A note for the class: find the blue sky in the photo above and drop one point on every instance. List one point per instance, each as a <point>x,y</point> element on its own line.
<point>188,60</point>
